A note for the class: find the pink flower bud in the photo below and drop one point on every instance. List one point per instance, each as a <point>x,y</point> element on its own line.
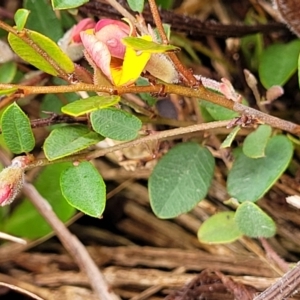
<point>11,181</point>
<point>12,178</point>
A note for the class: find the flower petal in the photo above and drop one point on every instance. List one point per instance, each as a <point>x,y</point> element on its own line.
<point>98,52</point>
<point>105,22</point>
<point>81,26</point>
<point>133,65</point>
<point>111,36</point>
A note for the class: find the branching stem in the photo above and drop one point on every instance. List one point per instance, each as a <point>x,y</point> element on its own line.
<point>198,92</point>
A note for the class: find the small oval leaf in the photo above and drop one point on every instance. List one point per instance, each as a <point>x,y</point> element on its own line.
<point>256,142</point>
<point>84,189</point>
<point>16,130</point>
<point>250,178</point>
<point>20,17</point>
<point>254,222</point>
<point>220,228</point>
<point>67,140</point>
<point>84,106</point>
<point>136,5</point>
<point>116,124</point>
<point>180,180</point>
<point>27,53</point>
<point>278,63</point>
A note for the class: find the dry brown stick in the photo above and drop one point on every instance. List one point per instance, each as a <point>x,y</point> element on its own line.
<point>20,290</point>
<point>23,287</point>
<point>284,287</point>
<point>270,252</point>
<point>155,288</point>
<point>190,25</point>
<point>71,243</point>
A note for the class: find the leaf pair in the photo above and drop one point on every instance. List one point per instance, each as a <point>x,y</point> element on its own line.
<point>110,122</point>
<point>228,226</point>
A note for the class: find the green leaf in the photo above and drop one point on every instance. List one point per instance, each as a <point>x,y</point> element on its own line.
<point>147,97</point>
<point>140,44</point>
<point>253,222</point>
<point>250,178</point>
<point>218,112</point>
<point>278,63</point>
<point>180,180</point>
<point>53,103</point>
<point>16,130</point>
<point>136,5</point>
<point>27,53</point>
<point>67,140</point>
<point>8,72</point>
<point>26,221</point>
<point>115,124</point>
<point>67,4</point>
<point>84,188</point>
<point>220,228</point>
<point>43,19</point>
<point>88,105</point>
<point>20,17</point>
<point>8,91</point>
<point>230,137</point>
<point>67,19</point>
<point>256,142</point>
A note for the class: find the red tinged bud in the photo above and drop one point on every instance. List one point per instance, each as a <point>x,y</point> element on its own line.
<point>11,181</point>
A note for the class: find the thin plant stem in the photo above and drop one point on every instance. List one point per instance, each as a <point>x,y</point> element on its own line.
<point>284,287</point>
<point>186,73</point>
<point>199,92</point>
<point>159,136</point>
<point>270,252</point>
<point>157,21</point>
<point>72,244</point>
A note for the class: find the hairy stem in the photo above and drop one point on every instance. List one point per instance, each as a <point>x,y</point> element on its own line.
<point>199,92</point>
